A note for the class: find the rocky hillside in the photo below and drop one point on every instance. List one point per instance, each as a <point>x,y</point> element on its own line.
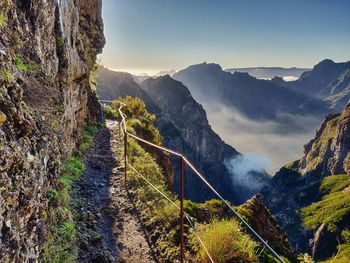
<point>329,152</point>
<point>183,124</point>
<point>313,184</point>
<point>328,81</point>
<point>45,102</point>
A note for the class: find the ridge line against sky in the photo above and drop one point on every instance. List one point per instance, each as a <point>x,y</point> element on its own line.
<point>159,35</point>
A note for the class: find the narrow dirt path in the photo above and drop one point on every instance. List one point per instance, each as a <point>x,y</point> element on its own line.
<point>110,222</point>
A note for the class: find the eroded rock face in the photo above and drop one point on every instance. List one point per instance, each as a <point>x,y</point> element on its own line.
<point>329,152</point>
<point>265,225</point>
<point>45,102</point>
<point>324,243</point>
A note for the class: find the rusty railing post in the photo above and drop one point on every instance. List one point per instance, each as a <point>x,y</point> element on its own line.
<point>182,193</point>
<point>119,134</point>
<point>125,156</point>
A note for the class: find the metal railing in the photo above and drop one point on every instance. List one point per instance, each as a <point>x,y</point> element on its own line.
<point>184,161</point>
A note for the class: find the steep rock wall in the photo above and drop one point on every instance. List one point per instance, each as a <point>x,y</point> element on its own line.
<point>45,102</point>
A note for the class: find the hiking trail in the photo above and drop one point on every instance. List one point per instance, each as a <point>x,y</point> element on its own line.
<point>107,208</point>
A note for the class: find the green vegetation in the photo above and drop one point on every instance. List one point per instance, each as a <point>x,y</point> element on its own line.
<point>59,41</point>
<point>316,155</point>
<point>6,74</point>
<point>333,210</point>
<point>160,216</point>
<point>21,65</point>
<point>138,120</point>
<point>343,254</point>
<point>87,137</point>
<point>334,183</point>
<point>60,245</point>
<point>110,112</point>
<point>3,20</point>
<point>226,242</point>
<point>334,207</point>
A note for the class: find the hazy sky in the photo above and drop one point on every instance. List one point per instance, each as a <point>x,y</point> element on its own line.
<point>172,34</point>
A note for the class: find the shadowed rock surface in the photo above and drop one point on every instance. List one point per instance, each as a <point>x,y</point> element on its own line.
<point>45,102</point>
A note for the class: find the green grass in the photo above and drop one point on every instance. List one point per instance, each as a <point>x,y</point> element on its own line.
<point>6,74</point>
<point>87,140</point>
<point>161,217</point>
<point>334,183</point>
<point>23,66</point>
<point>334,207</point>
<point>3,20</point>
<point>226,242</point>
<point>60,243</point>
<point>333,210</point>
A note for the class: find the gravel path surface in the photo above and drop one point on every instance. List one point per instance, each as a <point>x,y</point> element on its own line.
<point>107,207</point>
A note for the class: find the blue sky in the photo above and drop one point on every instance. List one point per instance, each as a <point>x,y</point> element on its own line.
<point>151,35</point>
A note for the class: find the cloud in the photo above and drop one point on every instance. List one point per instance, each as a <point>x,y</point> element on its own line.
<point>289,78</point>
<point>279,141</point>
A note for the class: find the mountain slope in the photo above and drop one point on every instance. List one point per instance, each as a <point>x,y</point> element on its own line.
<point>210,84</point>
<point>328,81</point>
<point>112,85</point>
<point>183,124</point>
<point>314,184</point>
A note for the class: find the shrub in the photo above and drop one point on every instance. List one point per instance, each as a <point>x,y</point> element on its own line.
<point>6,74</point>
<point>110,112</point>
<point>52,195</point>
<point>138,120</point>
<point>88,137</point>
<point>226,242</point>
<point>3,20</point>
<point>31,66</point>
<point>67,229</point>
<point>161,217</point>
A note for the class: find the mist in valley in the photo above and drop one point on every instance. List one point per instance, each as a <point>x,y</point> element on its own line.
<point>271,144</point>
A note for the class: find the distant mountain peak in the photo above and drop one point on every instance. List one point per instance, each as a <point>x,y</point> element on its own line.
<point>324,64</point>
<point>206,65</point>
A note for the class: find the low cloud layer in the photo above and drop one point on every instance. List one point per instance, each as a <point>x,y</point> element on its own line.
<point>242,169</point>
<point>278,141</point>
<point>290,78</point>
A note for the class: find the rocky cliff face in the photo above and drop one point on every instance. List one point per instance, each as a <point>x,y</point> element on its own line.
<point>45,101</point>
<point>329,152</point>
<point>328,81</point>
<point>260,218</point>
<point>183,124</point>
<point>299,184</point>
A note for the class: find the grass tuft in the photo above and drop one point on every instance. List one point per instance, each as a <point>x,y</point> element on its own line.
<point>226,242</point>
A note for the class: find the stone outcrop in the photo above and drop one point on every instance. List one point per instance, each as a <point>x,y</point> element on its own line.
<point>329,152</point>
<point>324,244</point>
<point>297,184</point>
<point>260,218</point>
<point>45,102</point>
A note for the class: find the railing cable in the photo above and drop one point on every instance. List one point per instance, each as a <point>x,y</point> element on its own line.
<point>251,230</point>
<point>188,217</point>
